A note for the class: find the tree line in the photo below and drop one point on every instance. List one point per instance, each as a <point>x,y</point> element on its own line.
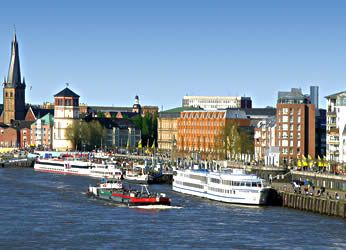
<point>86,135</point>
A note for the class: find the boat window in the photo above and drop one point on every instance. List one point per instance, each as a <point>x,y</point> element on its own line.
<point>214,180</point>
<point>254,184</point>
<point>248,184</point>
<point>242,183</point>
<point>227,182</point>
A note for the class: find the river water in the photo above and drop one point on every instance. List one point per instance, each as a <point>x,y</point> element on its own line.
<point>40,210</point>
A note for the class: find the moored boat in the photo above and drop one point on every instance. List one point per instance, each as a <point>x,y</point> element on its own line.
<point>231,186</point>
<point>77,167</point>
<point>138,175</point>
<point>113,190</point>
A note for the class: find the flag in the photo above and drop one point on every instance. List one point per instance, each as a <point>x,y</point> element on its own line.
<point>128,142</point>
<point>305,163</point>
<point>299,162</point>
<point>324,161</point>
<point>320,162</point>
<point>228,142</point>
<point>310,161</point>
<point>140,144</point>
<point>153,146</point>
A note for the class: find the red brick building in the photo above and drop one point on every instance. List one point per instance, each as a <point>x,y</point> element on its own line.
<point>202,131</point>
<point>295,124</point>
<point>9,136</point>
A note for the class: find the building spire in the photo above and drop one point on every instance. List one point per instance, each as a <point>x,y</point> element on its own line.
<point>14,77</point>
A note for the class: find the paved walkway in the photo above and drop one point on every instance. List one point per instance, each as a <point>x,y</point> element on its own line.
<point>288,188</point>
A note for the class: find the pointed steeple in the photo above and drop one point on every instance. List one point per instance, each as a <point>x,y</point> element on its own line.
<point>14,77</point>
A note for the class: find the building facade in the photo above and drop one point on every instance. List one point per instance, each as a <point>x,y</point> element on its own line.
<point>119,133</point>
<point>203,132</point>
<point>66,112</point>
<point>42,132</point>
<point>336,127</point>
<point>266,150</point>
<point>295,123</point>
<point>9,137</point>
<point>167,128</point>
<point>217,102</point>
<point>14,89</point>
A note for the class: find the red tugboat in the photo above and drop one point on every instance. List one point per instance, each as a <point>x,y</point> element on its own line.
<point>113,190</point>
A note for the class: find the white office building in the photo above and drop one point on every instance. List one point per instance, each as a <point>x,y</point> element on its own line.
<point>336,127</point>
<point>217,102</point>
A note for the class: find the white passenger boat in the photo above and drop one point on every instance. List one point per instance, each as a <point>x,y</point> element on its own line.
<point>105,170</point>
<point>61,166</point>
<point>232,186</point>
<point>138,175</point>
<point>77,167</point>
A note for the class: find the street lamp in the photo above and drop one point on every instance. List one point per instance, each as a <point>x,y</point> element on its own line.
<point>174,144</point>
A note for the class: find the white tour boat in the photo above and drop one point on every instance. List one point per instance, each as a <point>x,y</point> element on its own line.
<point>77,167</point>
<point>105,170</point>
<point>63,166</point>
<point>138,175</point>
<point>231,185</point>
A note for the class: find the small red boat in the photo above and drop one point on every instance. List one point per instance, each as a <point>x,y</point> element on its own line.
<point>113,190</point>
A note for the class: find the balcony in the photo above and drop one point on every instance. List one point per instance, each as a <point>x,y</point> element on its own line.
<point>333,142</point>
<point>333,131</point>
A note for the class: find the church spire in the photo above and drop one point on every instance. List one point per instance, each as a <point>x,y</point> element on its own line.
<point>14,77</point>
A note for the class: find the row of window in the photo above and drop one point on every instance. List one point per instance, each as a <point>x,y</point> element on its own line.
<point>290,127</point>
<point>205,115</point>
<point>201,123</point>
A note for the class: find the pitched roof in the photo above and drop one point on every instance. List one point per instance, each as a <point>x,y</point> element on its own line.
<point>335,95</point>
<point>109,123</point>
<point>48,119</point>
<point>66,92</point>
<point>39,112</point>
<point>175,112</point>
<point>19,124</point>
<point>256,112</point>
<point>108,109</point>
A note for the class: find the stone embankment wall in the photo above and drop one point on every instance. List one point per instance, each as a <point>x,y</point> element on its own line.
<point>314,204</point>
<point>23,163</point>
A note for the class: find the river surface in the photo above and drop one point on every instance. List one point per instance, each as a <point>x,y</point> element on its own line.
<point>40,210</point>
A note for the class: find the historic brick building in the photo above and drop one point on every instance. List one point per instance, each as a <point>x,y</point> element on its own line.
<point>168,127</point>
<point>14,89</point>
<point>203,131</point>
<point>295,122</point>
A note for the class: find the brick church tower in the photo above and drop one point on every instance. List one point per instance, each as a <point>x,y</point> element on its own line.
<point>14,89</point>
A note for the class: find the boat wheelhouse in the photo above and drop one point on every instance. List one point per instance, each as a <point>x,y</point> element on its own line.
<point>231,186</point>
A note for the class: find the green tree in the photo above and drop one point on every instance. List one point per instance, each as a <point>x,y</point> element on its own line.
<point>73,133</point>
<point>87,134</point>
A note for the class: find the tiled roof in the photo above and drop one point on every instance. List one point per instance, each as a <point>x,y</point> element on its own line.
<point>66,92</point>
<point>39,113</point>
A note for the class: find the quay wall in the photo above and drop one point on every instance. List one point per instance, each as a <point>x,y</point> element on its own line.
<point>15,163</point>
<point>314,204</point>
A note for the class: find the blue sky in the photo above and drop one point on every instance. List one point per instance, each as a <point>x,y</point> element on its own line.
<point>109,51</point>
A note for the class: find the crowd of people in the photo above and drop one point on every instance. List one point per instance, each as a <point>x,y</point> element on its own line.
<point>307,188</point>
